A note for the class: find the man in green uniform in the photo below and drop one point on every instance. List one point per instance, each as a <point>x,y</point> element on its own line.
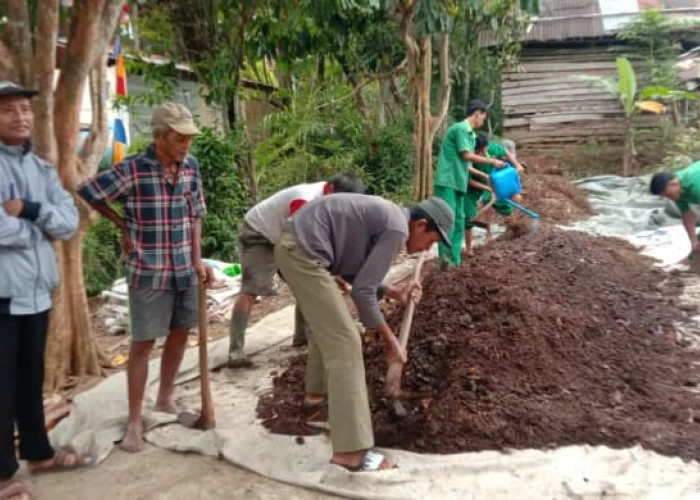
<point>452,174</point>
<point>682,187</point>
<point>478,191</point>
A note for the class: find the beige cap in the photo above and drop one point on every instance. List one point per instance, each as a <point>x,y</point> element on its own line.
<point>176,116</point>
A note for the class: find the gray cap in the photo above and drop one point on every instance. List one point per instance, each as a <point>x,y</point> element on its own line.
<point>12,89</point>
<point>441,215</point>
<point>175,116</point>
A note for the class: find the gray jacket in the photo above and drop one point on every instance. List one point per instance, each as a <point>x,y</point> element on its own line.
<point>28,270</point>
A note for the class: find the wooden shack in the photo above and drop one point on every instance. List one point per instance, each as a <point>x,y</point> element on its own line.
<point>546,105</point>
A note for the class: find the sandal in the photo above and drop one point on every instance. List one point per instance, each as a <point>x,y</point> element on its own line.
<point>63,460</point>
<point>14,489</point>
<point>371,461</point>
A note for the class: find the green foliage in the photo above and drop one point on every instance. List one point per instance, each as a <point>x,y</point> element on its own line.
<point>226,196</point>
<point>102,256</point>
<point>650,36</point>
<point>163,80</point>
<point>626,85</point>
<point>388,164</point>
<point>683,149</point>
<point>315,137</point>
<point>156,34</point>
<point>625,88</point>
<point>666,94</point>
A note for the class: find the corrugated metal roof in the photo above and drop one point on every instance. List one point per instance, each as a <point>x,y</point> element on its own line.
<point>566,19</point>
<point>581,19</point>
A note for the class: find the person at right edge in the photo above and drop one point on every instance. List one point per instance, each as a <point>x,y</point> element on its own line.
<point>356,237</point>
<point>683,188</point>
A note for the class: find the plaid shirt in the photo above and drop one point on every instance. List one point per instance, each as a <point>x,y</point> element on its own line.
<point>158,214</point>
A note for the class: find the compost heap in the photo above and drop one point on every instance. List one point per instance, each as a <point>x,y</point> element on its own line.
<point>553,339</point>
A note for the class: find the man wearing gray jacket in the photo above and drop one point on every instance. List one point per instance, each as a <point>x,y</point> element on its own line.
<point>34,211</point>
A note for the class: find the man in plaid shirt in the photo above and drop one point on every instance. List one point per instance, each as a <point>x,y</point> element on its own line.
<point>160,192</point>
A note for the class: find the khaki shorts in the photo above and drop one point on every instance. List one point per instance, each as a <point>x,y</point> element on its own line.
<point>257,255</point>
<point>153,313</point>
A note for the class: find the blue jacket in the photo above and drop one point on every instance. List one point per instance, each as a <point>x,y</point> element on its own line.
<point>28,270</point>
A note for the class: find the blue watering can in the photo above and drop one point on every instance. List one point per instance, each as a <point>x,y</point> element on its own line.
<point>506,184</point>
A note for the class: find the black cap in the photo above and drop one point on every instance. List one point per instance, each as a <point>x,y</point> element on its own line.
<point>12,89</point>
<point>441,215</point>
<point>659,181</point>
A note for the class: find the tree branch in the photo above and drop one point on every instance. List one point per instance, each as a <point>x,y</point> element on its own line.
<point>396,92</point>
<point>96,142</point>
<point>445,84</point>
<point>409,42</point>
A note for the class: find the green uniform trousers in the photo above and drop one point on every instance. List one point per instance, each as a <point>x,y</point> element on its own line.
<point>455,200</point>
<point>334,364</point>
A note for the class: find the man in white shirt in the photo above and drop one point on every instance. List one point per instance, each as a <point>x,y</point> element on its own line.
<point>257,237</point>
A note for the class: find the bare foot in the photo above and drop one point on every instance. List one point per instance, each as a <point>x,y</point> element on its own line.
<point>13,489</point>
<point>133,438</point>
<point>166,405</point>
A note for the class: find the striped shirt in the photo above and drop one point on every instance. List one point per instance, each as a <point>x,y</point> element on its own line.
<point>159,215</point>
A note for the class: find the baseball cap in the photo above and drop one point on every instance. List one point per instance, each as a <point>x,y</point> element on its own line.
<point>12,89</point>
<point>441,216</point>
<point>176,116</point>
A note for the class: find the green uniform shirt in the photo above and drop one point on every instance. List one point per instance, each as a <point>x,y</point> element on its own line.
<point>689,178</point>
<point>452,169</point>
<point>494,150</point>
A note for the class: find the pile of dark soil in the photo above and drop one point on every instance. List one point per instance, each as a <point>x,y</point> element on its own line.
<point>552,339</point>
<point>554,198</point>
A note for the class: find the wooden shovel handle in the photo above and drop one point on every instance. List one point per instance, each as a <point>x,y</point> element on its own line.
<point>395,370</point>
<point>207,416</point>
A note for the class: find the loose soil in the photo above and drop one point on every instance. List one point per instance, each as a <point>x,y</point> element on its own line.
<point>555,338</point>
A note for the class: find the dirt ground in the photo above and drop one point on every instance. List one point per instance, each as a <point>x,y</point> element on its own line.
<point>552,339</point>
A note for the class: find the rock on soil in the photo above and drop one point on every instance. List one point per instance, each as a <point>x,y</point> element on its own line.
<point>552,339</point>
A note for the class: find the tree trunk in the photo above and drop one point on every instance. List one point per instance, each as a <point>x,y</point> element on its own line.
<point>423,144</point>
<point>628,150</point>
<point>70,348</point>
<point>419,70</point>
<point>18,38</point>
<point>7,64</point>
<point>44,69</point>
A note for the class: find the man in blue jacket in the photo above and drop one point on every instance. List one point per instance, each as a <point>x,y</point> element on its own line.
<point>34,211</point>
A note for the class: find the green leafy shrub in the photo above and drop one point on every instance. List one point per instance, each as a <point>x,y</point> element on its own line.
<point>226,195</point>
<point>317,136</point>
<point>102,256</point>
<point>389,163</point>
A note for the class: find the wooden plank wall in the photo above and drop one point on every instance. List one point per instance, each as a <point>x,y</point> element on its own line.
<point>545,104</point>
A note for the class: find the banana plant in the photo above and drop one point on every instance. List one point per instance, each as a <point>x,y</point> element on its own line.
<point>625,88</point>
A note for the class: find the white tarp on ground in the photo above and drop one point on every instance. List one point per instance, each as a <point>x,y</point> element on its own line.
<point>623,206</point>
<point>99,415</point>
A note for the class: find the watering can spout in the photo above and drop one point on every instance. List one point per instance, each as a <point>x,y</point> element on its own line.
<point>524,210</point>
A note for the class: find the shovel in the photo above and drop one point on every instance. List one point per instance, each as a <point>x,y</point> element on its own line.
<point>392,386</point>
<point>205,420</point>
